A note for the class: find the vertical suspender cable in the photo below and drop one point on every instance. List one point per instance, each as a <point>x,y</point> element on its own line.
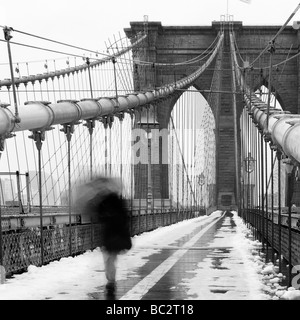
<point>68,130</point>
<point>262,190</point>
<point>1,252</point>
<point>90,78</point>
<point>267,200</point>
<point>38,137</point>
<point>105,124</point>
<point>41,204</point>
<point>121,151</point>
<point>272,203</point>
<point>69,180</point>
<point>253,204</point>
<point>272,50</point>
<point>289,204</point>
<point>259,183</point>
<point>235,134</point>
<point>279,208</point>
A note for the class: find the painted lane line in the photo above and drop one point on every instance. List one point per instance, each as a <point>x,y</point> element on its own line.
<point>141,288</point>
<point>180,248</point>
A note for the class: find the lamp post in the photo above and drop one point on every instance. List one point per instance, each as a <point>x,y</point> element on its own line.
<point>148,123</point>
<point>149,180</point>
<point>249,167</point>
<point>201,181</point>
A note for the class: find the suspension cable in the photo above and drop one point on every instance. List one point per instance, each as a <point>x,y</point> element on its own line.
<point>271,42</point>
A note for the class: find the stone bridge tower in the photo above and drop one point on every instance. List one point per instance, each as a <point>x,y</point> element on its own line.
<point>176,44</point>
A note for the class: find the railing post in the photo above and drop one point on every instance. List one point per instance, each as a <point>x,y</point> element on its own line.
<point>90,124</point>
<point>290,190</point>
<point>139,220</point>
<point>28,192</point>
<point>2,270</point>
<point>68,129</point>
<point>105,121</point>
<point>131,222</point>
<point>272,204</point>
<point>19,192</point>
<point>121,117</point>
<point>279,156</point>
<point>92,233</point>
<point>262,193</point>
<point>267,200</point>
<point>39,136</point>
<point>1,253</point>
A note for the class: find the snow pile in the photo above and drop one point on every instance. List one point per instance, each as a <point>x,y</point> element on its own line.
<point>291,294</point>
<point>272,279</point>
<point>270,275</point>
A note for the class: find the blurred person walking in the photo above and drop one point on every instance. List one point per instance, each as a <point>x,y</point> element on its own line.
<point>101,199</point>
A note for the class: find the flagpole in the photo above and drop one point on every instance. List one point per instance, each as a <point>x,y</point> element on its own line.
<point>227,12</point>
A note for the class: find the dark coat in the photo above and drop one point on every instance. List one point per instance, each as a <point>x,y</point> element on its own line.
<point>112,215</point>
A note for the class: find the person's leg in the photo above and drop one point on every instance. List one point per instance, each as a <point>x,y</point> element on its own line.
<point>109,259</point>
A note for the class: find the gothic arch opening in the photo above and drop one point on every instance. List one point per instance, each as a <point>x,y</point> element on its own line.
<point>192,151</point>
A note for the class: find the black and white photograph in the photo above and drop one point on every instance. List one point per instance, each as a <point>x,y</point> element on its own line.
<point>150,153</point>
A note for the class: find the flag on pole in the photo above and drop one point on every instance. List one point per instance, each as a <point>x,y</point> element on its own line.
<point>246,1</point>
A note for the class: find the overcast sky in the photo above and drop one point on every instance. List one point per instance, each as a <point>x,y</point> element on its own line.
<point>90,23</point>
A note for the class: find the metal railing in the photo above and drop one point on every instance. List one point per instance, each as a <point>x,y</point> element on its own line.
<point>21,235</point>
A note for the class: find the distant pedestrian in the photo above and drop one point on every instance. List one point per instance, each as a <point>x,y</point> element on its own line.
<point>103,202</point>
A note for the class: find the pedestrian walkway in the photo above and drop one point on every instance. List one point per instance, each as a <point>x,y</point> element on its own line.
<point>206,263</point>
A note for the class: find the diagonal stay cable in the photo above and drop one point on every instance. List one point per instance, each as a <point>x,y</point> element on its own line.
<point>276,35</point>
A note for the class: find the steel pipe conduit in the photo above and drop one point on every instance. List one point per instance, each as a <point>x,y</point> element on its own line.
<point>65,112</point>
<point>89,108</point>
<point>291,140</point>
<point>280,128</point>
<point>133,100</point>
<point>35,115</point>
<point>283,128</point>
<point>7,120</point>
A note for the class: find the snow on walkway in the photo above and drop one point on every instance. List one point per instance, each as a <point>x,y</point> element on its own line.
<point>73,278</point>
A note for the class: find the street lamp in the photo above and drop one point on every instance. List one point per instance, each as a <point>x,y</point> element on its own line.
<point>149,180</point>
<point>148,122</point>
<point>249,167</point>
<point>201,181</point>
<point>249,163</point>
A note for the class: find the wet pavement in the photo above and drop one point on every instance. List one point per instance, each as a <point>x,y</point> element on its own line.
<point>179,271</point>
